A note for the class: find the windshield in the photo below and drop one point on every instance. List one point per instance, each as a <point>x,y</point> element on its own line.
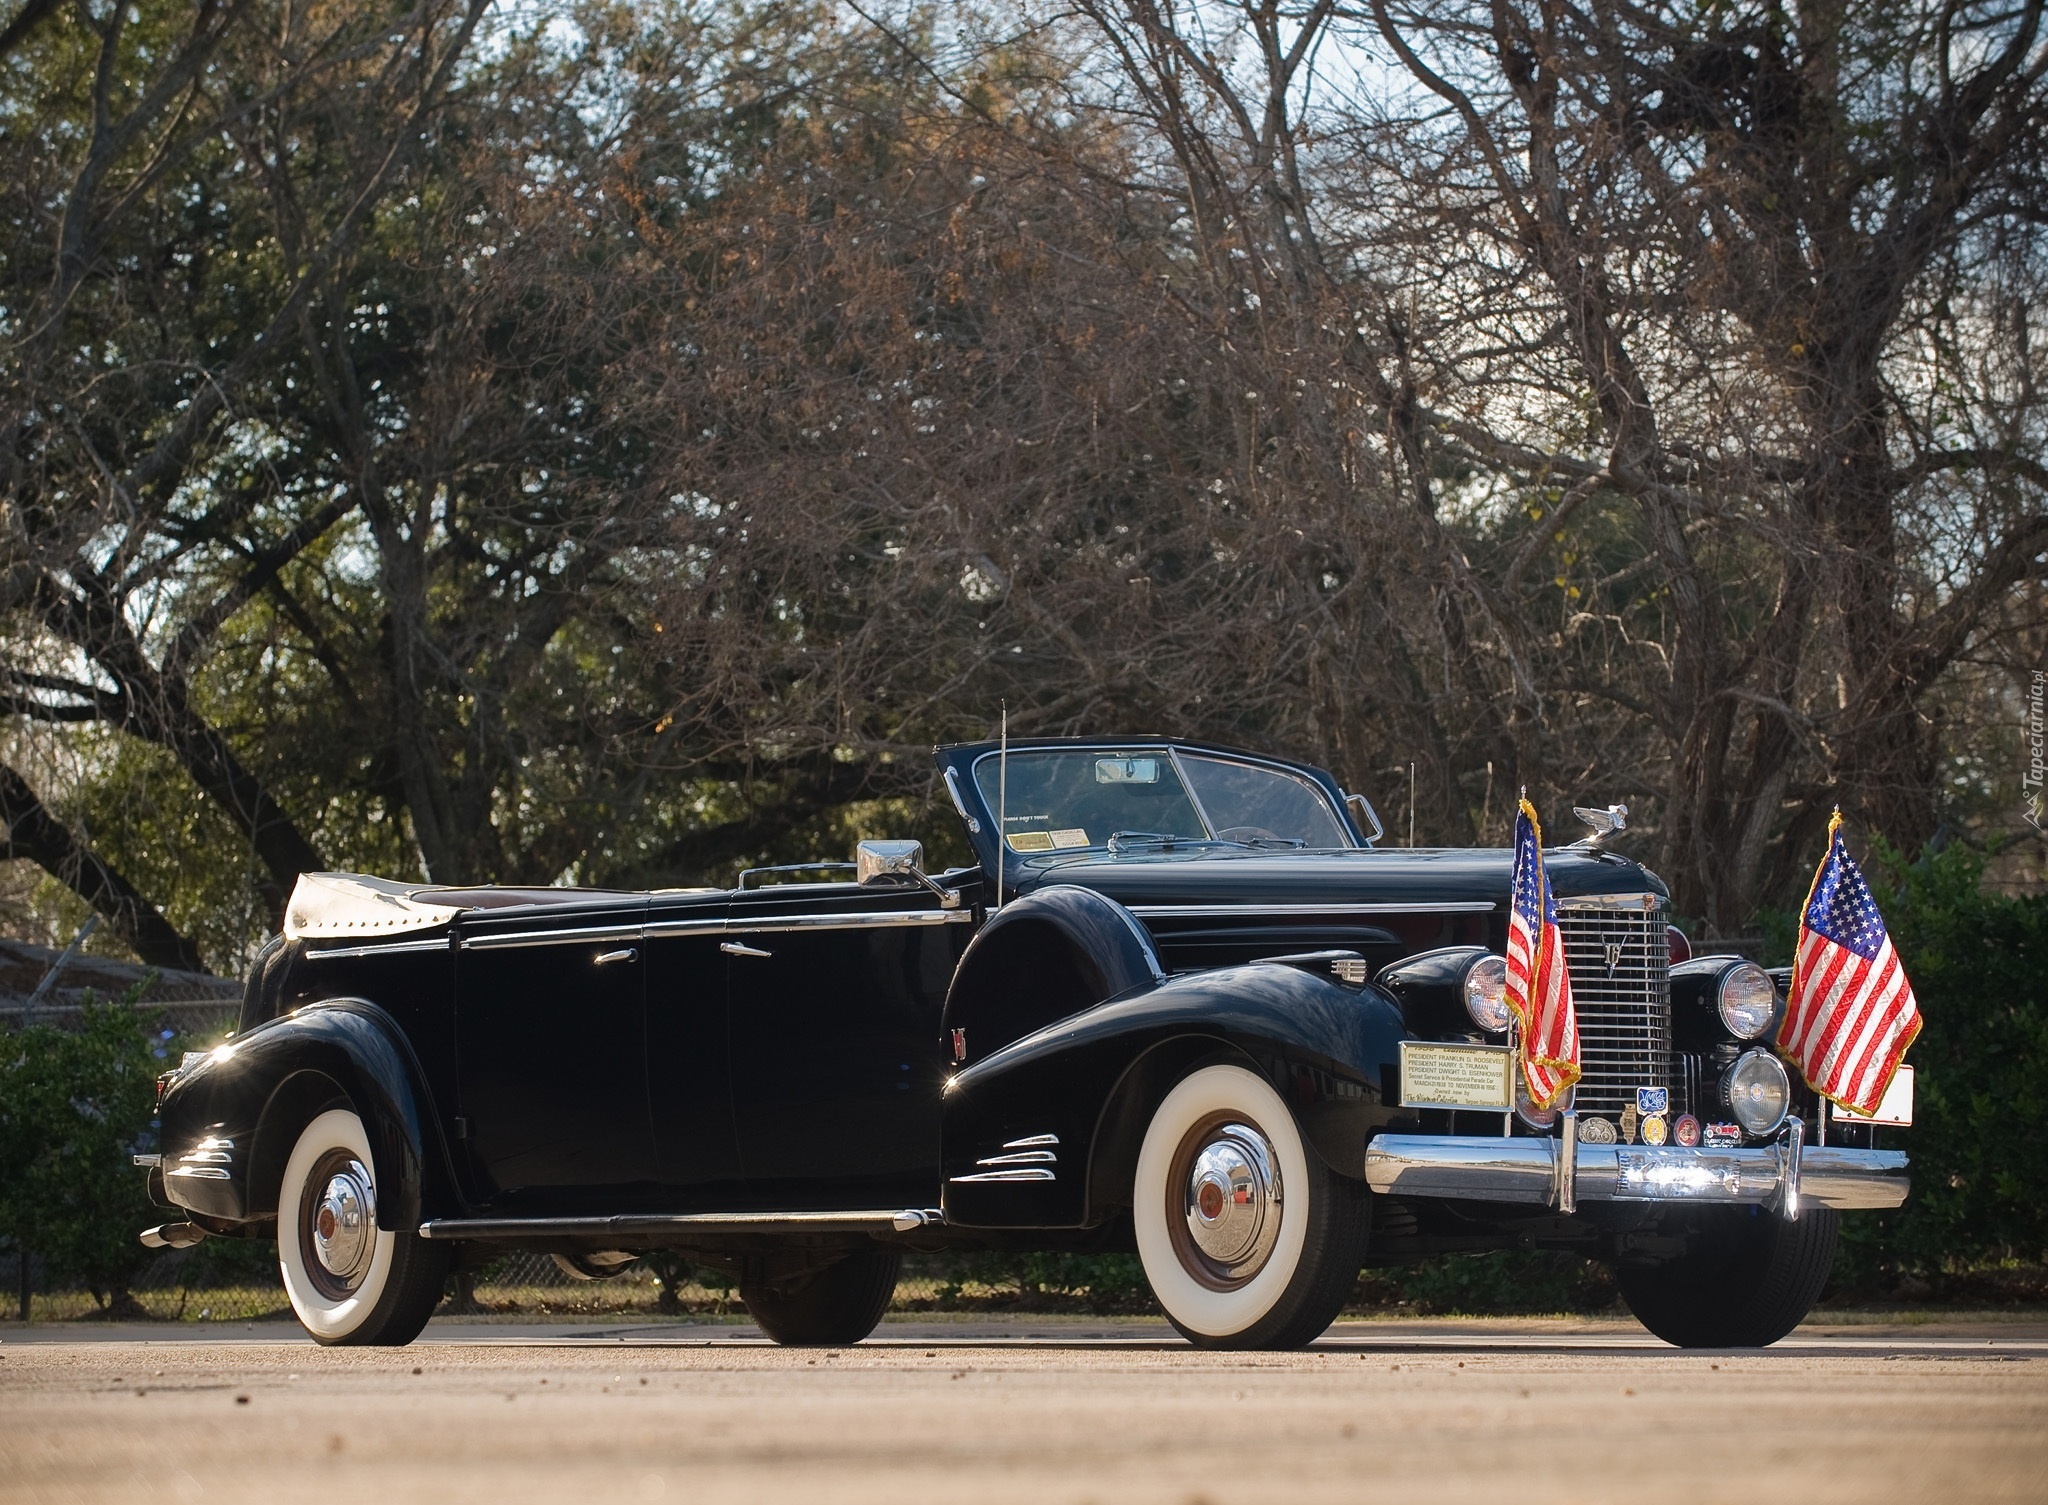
<point>1062,799</point>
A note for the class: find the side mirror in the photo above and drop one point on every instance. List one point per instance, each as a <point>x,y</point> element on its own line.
<point>878,864</point>
<point>886,864</point>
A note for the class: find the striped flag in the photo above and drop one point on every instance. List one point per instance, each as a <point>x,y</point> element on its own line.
<point>1539,987</point>
<point>1851,1014</point>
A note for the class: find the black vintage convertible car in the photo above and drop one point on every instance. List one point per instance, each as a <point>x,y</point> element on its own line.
<point>1184,1005</point>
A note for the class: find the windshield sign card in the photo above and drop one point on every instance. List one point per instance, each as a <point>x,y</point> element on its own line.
<point>1456,1076</point>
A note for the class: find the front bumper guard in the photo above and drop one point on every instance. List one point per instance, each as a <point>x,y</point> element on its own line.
<point>1563,1172</point>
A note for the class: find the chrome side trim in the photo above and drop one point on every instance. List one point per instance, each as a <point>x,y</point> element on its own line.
<point>1232,911</point>
<point>868,920</point>
<point>1034,1173</point>
<point>1527,1171</point>
<point>593,935</point>
<point>1021,1157</point>
<point>1033,1142</point>
<point>201,1173</point>
<point>659,1225</point>
<point>393,948</point>
<point>655,929</point>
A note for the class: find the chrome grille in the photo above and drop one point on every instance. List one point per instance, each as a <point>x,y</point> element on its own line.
<point>1620,966</point>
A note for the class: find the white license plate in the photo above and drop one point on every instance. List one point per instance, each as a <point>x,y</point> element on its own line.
<point>1456,1076</point>
<point>1896,1109</point>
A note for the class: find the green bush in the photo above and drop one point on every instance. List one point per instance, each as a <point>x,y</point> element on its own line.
<point>75,1105</point>
<point>1978,963</point>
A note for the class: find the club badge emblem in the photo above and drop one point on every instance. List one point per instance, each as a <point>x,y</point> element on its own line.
<point>1653,1100</point>
<point>1596,1131</point>
<point>1655,1129</point>
<point>1723,1136</point>
<point>1686,1131</point>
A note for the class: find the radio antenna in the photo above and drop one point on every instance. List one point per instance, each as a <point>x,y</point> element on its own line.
<point>1002,802</point>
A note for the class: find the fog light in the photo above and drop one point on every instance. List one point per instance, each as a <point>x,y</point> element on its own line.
<point>1757,1091</point>
<point>1540,1119</point>
<point>1748,1001</point>
<point>1486,993</point>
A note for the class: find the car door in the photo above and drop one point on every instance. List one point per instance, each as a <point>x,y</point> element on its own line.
<point>835,994</point>
<point>689,1076</point>
<point>551,1038</point>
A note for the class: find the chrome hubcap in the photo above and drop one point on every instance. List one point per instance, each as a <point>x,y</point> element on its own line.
<point>343,1227</point>
<point>1233,1201</point>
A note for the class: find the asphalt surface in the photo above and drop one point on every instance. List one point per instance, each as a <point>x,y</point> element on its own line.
<point>1037,1410</point>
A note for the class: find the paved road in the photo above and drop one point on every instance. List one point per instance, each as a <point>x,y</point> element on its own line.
<point>1042,1411</point>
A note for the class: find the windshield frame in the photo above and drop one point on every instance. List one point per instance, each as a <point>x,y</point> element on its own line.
<point>1340,816</point>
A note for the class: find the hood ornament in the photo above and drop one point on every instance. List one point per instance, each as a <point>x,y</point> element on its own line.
<point>1605,823</point>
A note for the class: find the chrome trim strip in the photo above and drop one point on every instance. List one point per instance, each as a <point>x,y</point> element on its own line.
<point>656,929</point>
<point>1033,1142</point>
<point>1527,1171</point>
<point>1021,1157</point>
<point>1229,911</point>
<point>337,953</point>
<point>1639,903</point>
<point>959,804</point>
<point>507,939</point>
<point>200,1173</point>
<point>656,1225</point>
<point>1035,1173</point>
<point>867,920</point>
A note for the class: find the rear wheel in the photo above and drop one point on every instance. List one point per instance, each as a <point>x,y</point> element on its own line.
<point>1248,1240</point>
<point>1747,1278</point>
<point>350,1281</point>
<point>830,1307</point>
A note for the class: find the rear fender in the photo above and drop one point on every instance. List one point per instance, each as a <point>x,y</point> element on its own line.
<point>230,1121</point>
<point>1082,1090</point>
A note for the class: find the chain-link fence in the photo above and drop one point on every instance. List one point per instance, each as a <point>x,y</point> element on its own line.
<point>239,1282</point>
<point>225,1280</point>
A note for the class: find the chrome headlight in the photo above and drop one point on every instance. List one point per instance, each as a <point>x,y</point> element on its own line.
<point>1748,1002</point>
<point>1757,1091</point>
<point>1486,993</point>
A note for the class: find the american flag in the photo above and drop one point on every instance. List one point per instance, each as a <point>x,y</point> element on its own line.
<point>1539,987</point>
<point>1851,1014</point>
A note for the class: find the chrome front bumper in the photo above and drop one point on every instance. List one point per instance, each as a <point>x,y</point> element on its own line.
<point>1559,1173</point>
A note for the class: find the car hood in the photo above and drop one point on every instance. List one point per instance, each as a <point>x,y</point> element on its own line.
<point>1420,876</point>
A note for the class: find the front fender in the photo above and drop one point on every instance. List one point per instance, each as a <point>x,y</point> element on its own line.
<point>1090,1082</point>
<point>229,1122</point>
<point>1041,958</point>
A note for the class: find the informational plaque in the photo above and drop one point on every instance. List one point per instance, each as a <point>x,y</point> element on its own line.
<point>1456,1076</point>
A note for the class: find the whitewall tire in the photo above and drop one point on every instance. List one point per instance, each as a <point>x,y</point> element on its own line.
<point>349,1279</point>
<point>1247,1239</point>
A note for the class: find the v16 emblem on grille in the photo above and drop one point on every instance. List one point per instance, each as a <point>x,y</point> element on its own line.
<point>1613,957</point>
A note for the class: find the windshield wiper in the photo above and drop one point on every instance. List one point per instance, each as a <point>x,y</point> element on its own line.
<point>1122,841</point>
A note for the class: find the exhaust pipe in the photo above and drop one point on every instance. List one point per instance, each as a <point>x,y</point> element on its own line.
<point>171,1236</point>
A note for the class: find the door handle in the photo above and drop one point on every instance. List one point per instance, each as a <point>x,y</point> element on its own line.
<point>623,954</point>
<point>735,948</point>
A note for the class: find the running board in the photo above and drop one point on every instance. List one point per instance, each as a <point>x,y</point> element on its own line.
<point>635,1226</point>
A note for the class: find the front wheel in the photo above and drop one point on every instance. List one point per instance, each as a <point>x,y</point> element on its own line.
<point>1248,1240</point>
<point>349,1279</point>
<point>1747,1278</point>
<point>832,1307</point>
